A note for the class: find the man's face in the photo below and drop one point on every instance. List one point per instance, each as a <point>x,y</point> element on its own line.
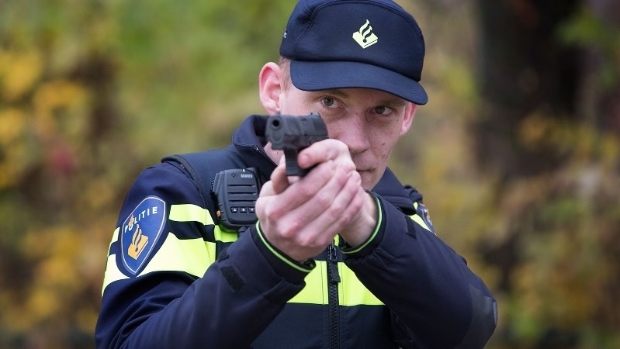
<point>369,122</point>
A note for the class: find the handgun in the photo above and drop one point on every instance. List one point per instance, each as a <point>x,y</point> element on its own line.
<point>293,134</point>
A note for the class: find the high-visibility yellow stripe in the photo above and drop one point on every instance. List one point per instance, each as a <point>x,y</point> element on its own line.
<point>225,236</point>
<point>112,273</point>
<point>315,291</point>
<point>111,270</point>
<point>194,213</point>
<point>114,237</point>
<point>190,213</point>
<point>351,291</point>
<point>420,221</point>
<point>190,256</point>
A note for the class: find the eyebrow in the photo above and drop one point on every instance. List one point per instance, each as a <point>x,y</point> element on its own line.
<point>390,101</point>
<point>339,93</point>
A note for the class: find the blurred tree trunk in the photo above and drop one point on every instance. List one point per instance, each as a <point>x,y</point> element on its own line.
<point>525,70</point>
<point>550,77</point>
<point>553,61</point>
<point>529,66</point>
<point>600,91</point>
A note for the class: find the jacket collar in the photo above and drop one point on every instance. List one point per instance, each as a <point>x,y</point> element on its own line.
<point>390,188</point>
<point>249,140</point>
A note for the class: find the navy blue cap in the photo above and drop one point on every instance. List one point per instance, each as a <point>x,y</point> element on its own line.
<point>355,44</point>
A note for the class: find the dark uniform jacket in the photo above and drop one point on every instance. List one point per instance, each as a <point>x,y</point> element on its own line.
<point>166,287</point>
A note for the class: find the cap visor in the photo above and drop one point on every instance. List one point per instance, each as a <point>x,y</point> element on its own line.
<point>314,76</point>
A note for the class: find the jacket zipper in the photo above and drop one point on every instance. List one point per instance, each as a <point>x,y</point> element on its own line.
<point>334,314</point>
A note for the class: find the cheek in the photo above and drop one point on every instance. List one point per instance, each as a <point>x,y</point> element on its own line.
<point>383,143</point>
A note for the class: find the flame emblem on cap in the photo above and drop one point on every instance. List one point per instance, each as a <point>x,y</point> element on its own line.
<point>364,36</point>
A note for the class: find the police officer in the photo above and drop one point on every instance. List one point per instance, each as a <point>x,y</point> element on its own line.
<point>344,257</point>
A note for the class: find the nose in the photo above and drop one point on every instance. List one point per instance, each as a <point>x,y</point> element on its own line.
<point>352,131</point>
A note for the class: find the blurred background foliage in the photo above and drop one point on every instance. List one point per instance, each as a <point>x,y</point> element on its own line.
<point>517,152</point>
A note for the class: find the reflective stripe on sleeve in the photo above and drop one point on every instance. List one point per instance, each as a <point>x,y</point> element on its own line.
<point>190,256</point>
<point>190,213</point>
<point>224,236</point>
<point>111,270</point>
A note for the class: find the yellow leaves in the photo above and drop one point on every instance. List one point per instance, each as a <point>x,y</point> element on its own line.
<point>56,277</point>
<point>18,72</point>
<point>44,243</point>
<point>13,122</point>
<point>12,316</point>
<point>534,131</point>
<point>545,132</point>
<point>97,195</point>
<point>610,151</point>
<point>58,93</point>
<point>12,127</point>
<point>539,131</point>
<point>42,304</point>
<point>44,135</point>
<point>552,286</point>
<point>55,95</point>
<point>56,114</point>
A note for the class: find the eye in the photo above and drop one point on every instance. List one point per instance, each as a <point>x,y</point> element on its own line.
<point>329,102</point>
<point>382,110</point>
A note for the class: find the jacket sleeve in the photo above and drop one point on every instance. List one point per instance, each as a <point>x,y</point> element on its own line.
<point>161,289</point>
<point>428,287</point>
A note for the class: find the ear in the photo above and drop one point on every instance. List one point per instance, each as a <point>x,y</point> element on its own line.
<point>270,87</point>
<point>410,110</point>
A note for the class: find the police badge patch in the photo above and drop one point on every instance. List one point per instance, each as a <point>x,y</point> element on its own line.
<point>423,212</point>
<point>140,232</point>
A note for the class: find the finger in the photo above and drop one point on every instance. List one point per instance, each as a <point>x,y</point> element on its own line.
<point>294,194</point>
<point>329,149</point>
<point>303,189</point>
<point>350,205</point>
<point>279,179</point>
<point>267,189</point>
<point>316,217</point>
<point>345,204</point>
